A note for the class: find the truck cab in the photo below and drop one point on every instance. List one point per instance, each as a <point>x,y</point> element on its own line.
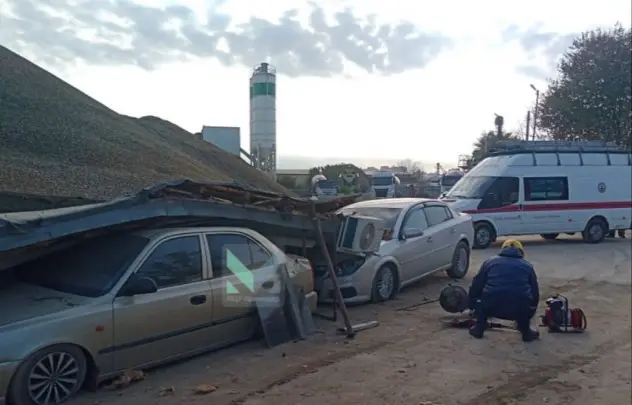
<point>448,180</point>
<point>323,188</point>
<point>384,184</point>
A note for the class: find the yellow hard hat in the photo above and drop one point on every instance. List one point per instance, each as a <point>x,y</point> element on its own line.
<point>513,243</point>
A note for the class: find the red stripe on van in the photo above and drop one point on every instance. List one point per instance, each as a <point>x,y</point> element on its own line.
<point>604,205</point>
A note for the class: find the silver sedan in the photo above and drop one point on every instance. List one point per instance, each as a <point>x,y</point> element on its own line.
<point>421,237</point>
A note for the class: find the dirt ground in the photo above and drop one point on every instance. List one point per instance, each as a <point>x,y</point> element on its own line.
<point>410,359</point>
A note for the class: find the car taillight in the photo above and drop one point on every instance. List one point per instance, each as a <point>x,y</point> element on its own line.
<point>388,234</point>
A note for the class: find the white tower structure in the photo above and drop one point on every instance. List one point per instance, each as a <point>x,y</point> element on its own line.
<point>263,118</point>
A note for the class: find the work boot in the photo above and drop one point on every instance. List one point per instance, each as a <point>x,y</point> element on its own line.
<point>530,335</point>
<point>477,331</point>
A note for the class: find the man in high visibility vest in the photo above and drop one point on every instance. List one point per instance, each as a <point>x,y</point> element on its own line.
<point>506,287</point>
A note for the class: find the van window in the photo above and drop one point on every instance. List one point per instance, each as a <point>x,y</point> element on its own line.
<point>502,192</point>
<point>545,188</point>
<point>474,187</point>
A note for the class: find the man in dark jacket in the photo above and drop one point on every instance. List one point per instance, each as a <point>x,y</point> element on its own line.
<point>506,287</point>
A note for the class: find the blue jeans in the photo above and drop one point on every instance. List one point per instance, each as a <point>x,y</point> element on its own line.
<point>505,306</point>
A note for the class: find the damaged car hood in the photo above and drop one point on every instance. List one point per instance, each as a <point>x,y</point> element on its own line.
<point>29,301</point>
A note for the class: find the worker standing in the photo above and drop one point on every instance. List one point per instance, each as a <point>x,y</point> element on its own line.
<point>505,287</point>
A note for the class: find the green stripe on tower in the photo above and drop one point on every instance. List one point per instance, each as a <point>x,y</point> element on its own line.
<point>263,89</point>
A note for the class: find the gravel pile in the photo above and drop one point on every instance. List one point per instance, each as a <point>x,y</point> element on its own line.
<point>56,141</point>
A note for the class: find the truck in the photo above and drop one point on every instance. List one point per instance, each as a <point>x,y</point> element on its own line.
<point>384,184</point>
<point>547,188</point>
<point>322,188</point>
<point>449,179</point>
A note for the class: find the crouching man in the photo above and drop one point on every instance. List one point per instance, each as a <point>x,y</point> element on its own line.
<point>506,287</point>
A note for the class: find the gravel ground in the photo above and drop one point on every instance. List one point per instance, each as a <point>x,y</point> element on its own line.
<point>411,359</point>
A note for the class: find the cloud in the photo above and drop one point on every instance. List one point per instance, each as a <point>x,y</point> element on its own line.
<point>536,43</point>
<point>121,32</point>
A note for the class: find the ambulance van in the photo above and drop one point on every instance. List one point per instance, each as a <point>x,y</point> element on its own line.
<point>547,188</point>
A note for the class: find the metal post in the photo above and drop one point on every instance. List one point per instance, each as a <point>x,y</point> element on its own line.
<point>332,273</point>
<point>535,111</point>
<point>526,138</point>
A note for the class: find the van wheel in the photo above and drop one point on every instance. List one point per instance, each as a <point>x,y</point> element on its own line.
<point>385,284</point>
<point>549,236</point>
<point>460,261</point>
<point>49,376</point>
<point>483,235</point>
<point>595,231</point>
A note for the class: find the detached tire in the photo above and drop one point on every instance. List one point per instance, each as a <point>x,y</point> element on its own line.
<point>385,284</point>
<point>596,231</point>
<point>549,236</point>
<point>460,261</point>
<point>483,235</point>
<point>66,365</point>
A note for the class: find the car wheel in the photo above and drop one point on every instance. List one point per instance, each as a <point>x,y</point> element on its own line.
<point>483,235</point>
<point>549,236</point>
<point>385,284</point>
<point>49,376</point>
<point>460,261</point>
<point>595,231</point>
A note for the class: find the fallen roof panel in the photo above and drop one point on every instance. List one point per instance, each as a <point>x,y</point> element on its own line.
<point>180,202</point>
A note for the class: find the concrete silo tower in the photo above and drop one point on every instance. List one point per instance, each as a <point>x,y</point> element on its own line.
<point>263,118</point>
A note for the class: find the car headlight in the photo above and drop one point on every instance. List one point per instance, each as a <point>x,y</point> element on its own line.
<point>349,266</point>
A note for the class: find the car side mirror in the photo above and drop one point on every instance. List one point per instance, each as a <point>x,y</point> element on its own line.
<point>412,233</point>
<point>138,286</point>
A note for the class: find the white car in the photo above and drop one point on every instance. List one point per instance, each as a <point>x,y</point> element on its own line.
<point>421,237</point>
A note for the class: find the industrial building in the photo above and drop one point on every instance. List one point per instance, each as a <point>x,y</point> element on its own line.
<point>263,118</point>
<point>225,138</point>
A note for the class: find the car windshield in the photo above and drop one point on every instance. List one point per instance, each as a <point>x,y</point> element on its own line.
<point>326,184</point>
<point>89,269</point>
<point>389,214</point>
<point>471,187</point>
<point>382,181</point>
<point>450,181</point>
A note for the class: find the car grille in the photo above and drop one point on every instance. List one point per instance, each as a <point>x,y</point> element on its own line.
<point>381,193</point>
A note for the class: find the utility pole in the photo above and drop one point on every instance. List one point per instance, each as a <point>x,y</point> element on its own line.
<point>535,109</point>
<point>526,137</point>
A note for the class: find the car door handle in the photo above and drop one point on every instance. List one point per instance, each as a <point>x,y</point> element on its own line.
<point>197,300</point>
<point>268,284</point>
<point>429,239</point>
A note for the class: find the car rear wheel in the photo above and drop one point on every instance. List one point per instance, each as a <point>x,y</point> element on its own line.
<point>460,261</point>
<point>385,284</point>
<point>49,376</point>
<point>549,236</point>
<point>595,231</point>
<point>483,235</point>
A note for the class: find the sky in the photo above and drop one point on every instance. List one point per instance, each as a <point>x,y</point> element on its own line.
<point>366,82</point>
